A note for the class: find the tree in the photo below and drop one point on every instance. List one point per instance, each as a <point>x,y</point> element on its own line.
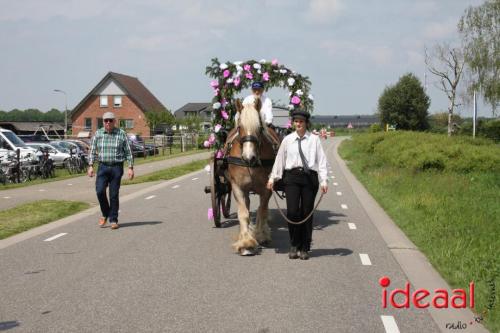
<point>192,123</point>
<point>405,104</point>
<point>157,117</point>
<point>480,31</point>
<point>449,67</point>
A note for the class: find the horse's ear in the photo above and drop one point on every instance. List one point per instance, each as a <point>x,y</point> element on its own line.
<point>239,106</point>
<point>258,104</point>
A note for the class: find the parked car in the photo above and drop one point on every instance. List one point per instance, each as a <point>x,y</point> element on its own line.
<point>10,142</point>
<point>58,157</point>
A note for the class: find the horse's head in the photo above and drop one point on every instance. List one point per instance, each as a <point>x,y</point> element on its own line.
<point>250,130</point>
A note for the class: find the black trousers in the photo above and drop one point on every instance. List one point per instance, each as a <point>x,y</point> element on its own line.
<point>300,190</point>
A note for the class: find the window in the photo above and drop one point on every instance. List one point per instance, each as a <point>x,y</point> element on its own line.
<point>100,123</point>
<point>117,101</point>
<point>88,123</point>
<point>127,123</point>
<point>104,101</point>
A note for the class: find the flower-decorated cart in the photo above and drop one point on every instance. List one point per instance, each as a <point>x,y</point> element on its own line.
<point>229,79</point>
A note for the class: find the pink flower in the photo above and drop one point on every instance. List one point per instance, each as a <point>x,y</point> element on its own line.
<point>211,139</point>
<point>274,62</point>
<point>219,154</point>
<point>210,214</point>
<point>224,102</point>
<point>237,81</point>
<point>289,123</point>
<point>247,67</point>
<point>295,100</point>
<point>249,76</point>
<point>214,84</point>
<point>265,76</point>
<point>224,115</point>
<point>206,144</point>
<point>216,92</point>
<point>226,73</point>
<point>217,128</point>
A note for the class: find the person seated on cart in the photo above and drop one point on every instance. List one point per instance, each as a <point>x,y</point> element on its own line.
<point>266,111</point>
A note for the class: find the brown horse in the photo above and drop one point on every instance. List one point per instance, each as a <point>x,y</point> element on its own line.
<point>251,147</point>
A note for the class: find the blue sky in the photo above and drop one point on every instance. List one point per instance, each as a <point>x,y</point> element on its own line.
<point>350,49</point>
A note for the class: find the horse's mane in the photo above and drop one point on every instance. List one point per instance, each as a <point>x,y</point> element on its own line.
<point>250,118</point>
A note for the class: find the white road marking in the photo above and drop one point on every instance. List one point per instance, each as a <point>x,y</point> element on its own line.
<point>42,190</point>
<point>365,260</point>
<point>55,237</point>
<point>390,324</point>
<point>175,186</point>
<point>352,226</point>
<point>6,197</point>
<point>150,197</point>
<point>335,184</point>
<point>331,171</point>
<point>333,177</point>
<point>344,206</point>
<point>339,193</point>
<point>70,184</point>
<point>196,178</point>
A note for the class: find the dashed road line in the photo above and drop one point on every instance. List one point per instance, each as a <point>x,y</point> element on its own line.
<point>339,193</point>
<point>6,197</point>
<point>175,186</point>
<point>150,197</point>
<point>55,237</point>
<point>390,324</point>
<point>344,206</point>
<point>196,178</point>
<point>335,184</point>
<point>352,226</point>
<point>365,259</point>
<point>41,190</point>
<point>70,184</point>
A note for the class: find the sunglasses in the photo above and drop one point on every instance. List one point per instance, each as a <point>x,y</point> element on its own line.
<point>108,120</point>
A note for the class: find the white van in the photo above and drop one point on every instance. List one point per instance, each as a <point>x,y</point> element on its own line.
<point>10,142</point>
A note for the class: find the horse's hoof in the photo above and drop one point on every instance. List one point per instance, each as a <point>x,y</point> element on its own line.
<point>247,252</point>
<point>265,243</point>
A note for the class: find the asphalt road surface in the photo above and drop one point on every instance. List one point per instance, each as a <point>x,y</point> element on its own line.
<point>167,269</point>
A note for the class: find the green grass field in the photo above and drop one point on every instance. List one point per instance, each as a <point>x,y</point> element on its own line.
<point>34,214</point>
<point>444,193</point>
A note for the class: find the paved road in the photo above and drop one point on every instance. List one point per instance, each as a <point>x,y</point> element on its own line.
<point>169,270</point>
<point>82,188</point>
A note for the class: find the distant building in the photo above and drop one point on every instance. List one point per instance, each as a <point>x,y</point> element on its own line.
<point>121,94</point>
<point>201,110</point>
<point>343,121</point>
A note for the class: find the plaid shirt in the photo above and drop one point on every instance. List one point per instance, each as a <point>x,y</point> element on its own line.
<point>110,147</point>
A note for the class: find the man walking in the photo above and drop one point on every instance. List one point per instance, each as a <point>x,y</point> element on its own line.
<point>110,148</point>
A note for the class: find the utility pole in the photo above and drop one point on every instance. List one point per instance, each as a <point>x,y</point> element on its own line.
<point>65,110</point>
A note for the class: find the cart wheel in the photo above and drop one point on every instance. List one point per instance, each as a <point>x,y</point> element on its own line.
<point>216,199</point>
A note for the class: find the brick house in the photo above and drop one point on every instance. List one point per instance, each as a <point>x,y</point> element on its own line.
<point>121,94</point>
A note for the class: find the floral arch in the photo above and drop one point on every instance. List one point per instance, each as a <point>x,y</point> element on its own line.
<point>231,78</point>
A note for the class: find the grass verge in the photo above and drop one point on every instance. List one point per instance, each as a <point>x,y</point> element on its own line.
<point>62,174</point>
<point>453,217</point>
<point>169,173</point>
<point>34,214</point>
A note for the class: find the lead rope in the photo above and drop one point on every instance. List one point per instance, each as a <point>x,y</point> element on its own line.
<point>305,219</point>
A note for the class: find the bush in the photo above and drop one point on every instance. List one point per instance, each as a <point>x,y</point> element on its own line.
<point>374,128</point>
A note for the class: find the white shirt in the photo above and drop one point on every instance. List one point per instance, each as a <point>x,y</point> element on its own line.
<point>288,156</point>
<point>266,111</point>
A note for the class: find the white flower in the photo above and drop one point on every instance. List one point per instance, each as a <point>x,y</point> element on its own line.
<point>311,97</point>
<point>290,81</point>
<point>237,63</point>
<point>283,71</point>
<point>239,69</point>
<point>223,66</point>
<point>259,71</point>
<point>262,61</point>
<point>281,83</point>
<point>216,105</point>
<point>207,168</point>
<point>290,94</point>
<point>257,66</point>
<point>230,80</point>
<point>299,92</point>
<point>290,106</point>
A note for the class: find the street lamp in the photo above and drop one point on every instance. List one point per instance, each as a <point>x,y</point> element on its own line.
<point>65,110</point>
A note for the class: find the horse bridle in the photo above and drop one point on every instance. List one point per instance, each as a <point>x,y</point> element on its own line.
<point>254,139</point>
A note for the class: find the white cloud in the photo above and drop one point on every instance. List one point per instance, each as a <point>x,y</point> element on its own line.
<point>440,30</point>
<point>322,11</point>
<point>415,58</point>
<point>380,55</point>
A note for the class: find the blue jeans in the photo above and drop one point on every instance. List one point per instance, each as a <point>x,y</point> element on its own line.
<point>109,176</point>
